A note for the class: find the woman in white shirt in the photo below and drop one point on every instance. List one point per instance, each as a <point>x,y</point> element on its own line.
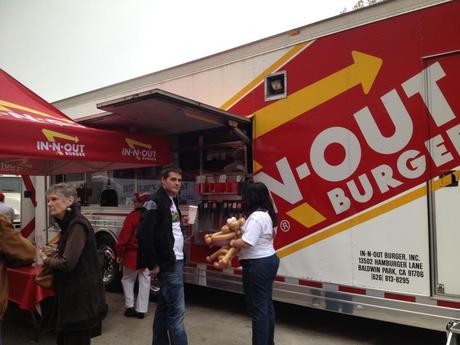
<point>259,261</point>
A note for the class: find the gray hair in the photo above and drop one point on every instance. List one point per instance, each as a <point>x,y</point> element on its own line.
<point>64,189</point>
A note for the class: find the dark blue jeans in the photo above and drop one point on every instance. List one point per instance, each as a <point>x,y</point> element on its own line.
<point>168,325</point>
<point>258,278</point>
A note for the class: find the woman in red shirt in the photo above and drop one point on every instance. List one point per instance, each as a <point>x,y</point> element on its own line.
<point>126,250</point>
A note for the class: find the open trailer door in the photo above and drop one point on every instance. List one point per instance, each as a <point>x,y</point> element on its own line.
<point>161,113</point>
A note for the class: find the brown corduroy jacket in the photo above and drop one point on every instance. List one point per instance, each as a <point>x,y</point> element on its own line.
<point>12,245</point>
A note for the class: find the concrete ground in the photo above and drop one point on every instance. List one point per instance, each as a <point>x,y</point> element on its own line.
<point>216,317</point>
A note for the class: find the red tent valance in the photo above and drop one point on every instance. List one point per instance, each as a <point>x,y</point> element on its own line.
<point>38,139</point>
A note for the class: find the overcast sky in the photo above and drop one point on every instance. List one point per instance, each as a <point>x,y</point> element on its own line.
<point>61,48</point>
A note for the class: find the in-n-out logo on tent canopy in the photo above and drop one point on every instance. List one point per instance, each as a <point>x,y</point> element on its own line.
<point>67,146</point>
<point>139,150</point>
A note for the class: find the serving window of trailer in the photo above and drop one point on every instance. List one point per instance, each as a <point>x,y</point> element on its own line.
<point>217,162</point>
<point>211,146</point>
<point>213,154</point>
<point>212,164</point>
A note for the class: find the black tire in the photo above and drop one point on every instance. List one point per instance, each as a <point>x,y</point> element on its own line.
<point>110,271</point>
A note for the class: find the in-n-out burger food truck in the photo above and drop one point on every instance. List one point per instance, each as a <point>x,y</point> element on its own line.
<point>353,123</point>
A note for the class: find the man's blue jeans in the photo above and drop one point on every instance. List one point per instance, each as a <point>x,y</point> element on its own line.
<point>258,278</point>
<point>169,315</point>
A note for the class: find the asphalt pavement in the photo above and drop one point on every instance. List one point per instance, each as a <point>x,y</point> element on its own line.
<point>219,318</point>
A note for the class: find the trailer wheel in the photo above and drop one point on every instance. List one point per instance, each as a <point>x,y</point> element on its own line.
<point>106,253</point>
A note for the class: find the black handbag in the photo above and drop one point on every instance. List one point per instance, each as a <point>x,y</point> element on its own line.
<point>12,262</point>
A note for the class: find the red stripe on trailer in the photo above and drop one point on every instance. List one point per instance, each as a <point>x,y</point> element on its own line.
<point>104,214</point>
<point>350,289</point>
<point>399,297</point>
<point>448,304</point>
<point>280,279</point>
<point>28,229</point>
<point>311,283</point>
<point>30,187</point>
<point>212,268</point>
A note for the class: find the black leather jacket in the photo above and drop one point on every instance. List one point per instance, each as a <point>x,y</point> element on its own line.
<point>155,236</point>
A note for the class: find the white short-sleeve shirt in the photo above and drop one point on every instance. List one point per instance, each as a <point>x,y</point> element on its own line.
<point>177,232</point>
<point>258,232</point>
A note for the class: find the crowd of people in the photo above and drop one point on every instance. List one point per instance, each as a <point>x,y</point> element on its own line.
<point>150,246</point>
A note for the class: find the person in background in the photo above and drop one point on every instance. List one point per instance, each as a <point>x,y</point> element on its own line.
<point>258,259</point>
<point>126,250</point>
<point>5,209</point>
<point>80,295</point>
<point>161,244</point>
<point>12,246</point>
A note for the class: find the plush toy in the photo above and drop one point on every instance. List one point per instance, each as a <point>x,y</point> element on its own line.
<point>222,258</point>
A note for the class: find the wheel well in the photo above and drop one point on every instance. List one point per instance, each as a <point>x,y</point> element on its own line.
<point>105,243</point>
<point>105,236</point>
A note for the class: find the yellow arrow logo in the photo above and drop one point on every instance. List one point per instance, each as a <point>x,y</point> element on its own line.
<point>362,72</point>
<point>306,215</point>
<point>52,135</point>
<point>256,167</point>
<point>132,143</point>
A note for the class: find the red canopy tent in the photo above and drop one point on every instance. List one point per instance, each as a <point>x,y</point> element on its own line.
<point>38,139</point>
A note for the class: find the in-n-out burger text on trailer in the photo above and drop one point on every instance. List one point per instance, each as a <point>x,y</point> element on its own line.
<point>411,163</point>
<point>139,150</point>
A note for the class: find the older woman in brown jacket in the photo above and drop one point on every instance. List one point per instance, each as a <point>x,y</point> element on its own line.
<point>80,294</point>
<point>12,245</point>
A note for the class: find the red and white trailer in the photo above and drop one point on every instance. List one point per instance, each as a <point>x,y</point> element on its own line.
<point>353,123</point>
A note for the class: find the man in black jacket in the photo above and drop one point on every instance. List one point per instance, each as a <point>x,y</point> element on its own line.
<point>160,248</point>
